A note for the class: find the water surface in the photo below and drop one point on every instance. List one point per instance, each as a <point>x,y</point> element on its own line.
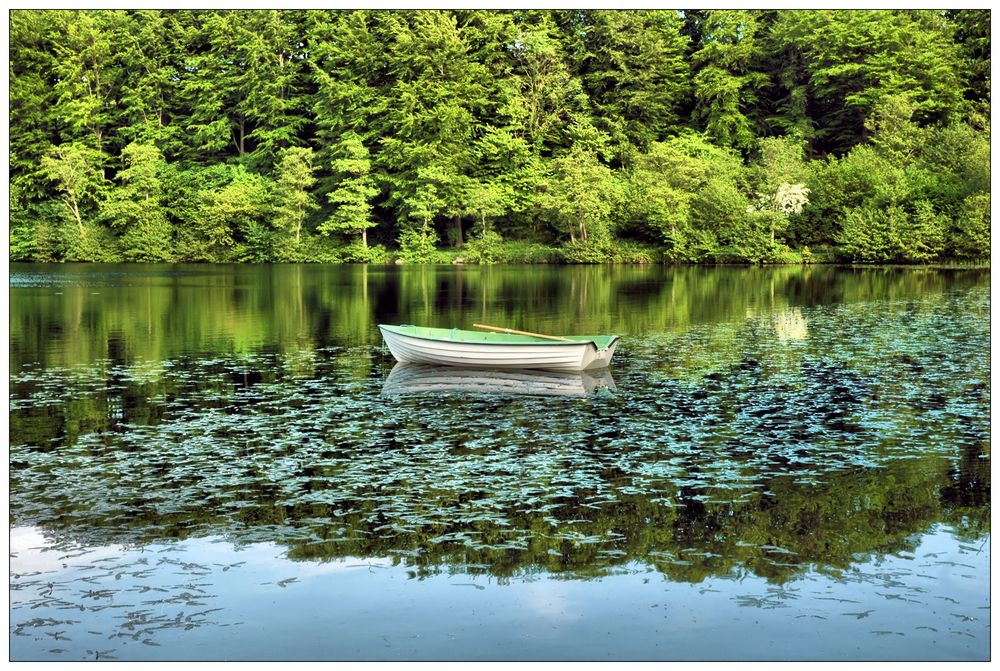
<point>785,463</point>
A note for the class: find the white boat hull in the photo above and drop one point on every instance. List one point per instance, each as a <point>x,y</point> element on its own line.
<point>549,356</point>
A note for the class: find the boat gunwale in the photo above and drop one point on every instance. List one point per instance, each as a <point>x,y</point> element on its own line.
<point>538,341</point>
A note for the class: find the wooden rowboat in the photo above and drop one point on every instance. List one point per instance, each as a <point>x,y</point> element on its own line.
<point>507,349</point>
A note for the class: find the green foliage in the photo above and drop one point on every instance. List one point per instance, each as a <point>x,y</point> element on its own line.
<point>970,237</point>
<point>922,238</point>
<point>867,233</point>
<point>725,83</point>
<point>659,192</point>
<point>229,135</point>
<point>543,90</point>
<point>840,64</point>
<point>358,252</point>
<point>972,34</point>
<point>354,192</point>
<point>416,244</point>
<point>894,133</point>
<point>150,81</point>
<point>897,196</point>
<point>486,200</point>
<point>892,234</point>
<point>233,225</point>
<point>579,195</point>
<point>293,199</point>
<point>725,229</point>
<point>959,158</point>
<point>87,78</point>
<point>840,185</point>
<point>486,248</point>
<point>588,251</point>
<point>136,208</point>
<point>691,195</point>
<point>75,170</point>
<point>519,251</point>
<point>32,98</point>
<point>21,242</point>
<point>40,225</point>
<point>778,165</point>
<point>269,50</point>
<point>605,251</point>
<point>634,67</point>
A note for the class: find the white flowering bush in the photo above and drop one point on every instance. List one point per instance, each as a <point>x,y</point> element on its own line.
<point>790,198</point>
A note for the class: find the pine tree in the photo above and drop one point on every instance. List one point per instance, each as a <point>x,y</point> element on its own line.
<point>272,82</point>
<point>352,199</point>
<point>349,75</point>
<point>430,131</point>
<point>726,81</point>
<point>850,60</point>
<point>88,79</point>
<point>32,124</point>
<point>633,65</point>
<point>545,92</point>
<point>150,57</point>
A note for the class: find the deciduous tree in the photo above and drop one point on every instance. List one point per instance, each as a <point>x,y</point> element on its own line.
<point>75,170</point>
<point>136,209</point>
<point>293,200</point>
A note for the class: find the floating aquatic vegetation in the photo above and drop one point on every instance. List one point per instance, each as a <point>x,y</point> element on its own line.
<point>739,439</point>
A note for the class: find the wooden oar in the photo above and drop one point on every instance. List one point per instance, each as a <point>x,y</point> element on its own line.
<point>526,333</point>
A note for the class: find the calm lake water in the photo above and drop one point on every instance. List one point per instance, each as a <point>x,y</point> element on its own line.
<point>224,462</point>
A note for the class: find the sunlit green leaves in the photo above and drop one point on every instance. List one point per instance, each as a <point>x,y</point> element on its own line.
<point>293,190</point>
<point>480,106</point>
<point>137,208</point>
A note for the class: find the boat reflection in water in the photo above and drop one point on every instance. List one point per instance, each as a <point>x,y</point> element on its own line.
<point>412,378</point>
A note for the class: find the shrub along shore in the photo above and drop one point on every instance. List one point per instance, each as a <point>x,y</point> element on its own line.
<point>486,136</point>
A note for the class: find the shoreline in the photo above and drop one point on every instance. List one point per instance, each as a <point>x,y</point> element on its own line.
<point>938,265</point>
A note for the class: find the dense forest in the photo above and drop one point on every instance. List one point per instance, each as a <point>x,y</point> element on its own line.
<point>499,136</point>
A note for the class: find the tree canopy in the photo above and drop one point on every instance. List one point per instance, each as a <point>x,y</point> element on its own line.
<point>598,135</point>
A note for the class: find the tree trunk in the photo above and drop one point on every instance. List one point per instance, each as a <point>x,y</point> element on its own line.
<point>364,238</point>
<point>75,209</point>
<point>459,242</point>
<point>240,140</point>
<point>99,136</point>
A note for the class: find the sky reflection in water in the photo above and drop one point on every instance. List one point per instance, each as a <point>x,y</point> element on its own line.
<point>194,599</point>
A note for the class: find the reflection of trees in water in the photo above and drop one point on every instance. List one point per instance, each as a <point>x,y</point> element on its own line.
<point>743,468</point>
<point>80,314</point>
<point>789,324</point>
<point>757,425</point>
<point>778,534</point>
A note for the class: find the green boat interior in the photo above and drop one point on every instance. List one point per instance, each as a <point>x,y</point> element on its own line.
<point>484,337</point>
